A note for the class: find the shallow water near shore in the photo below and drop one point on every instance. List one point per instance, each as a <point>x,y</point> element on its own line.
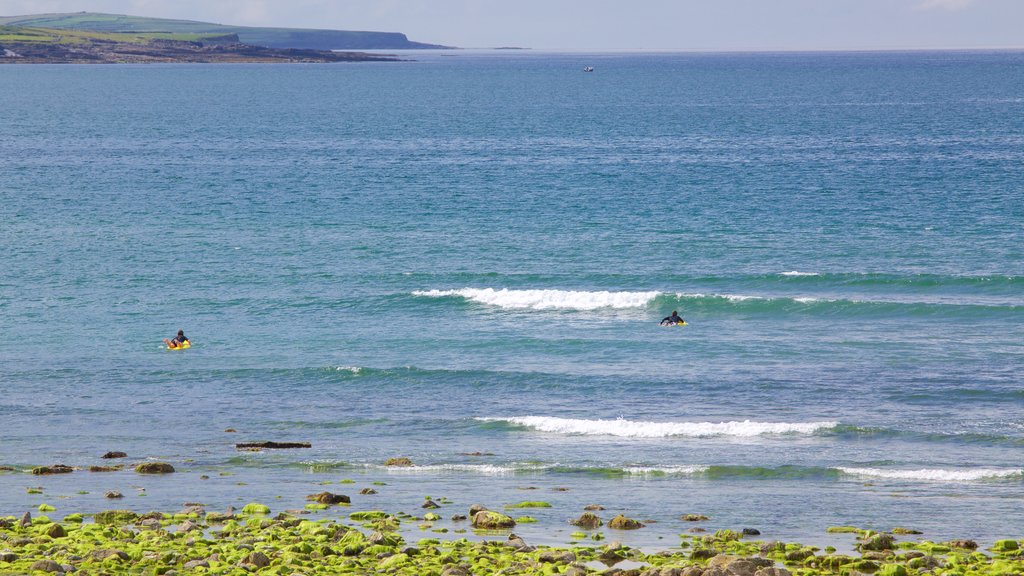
<point>470,253</point>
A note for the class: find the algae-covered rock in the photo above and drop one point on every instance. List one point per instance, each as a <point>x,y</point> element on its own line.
<point>102,554</point>
<point>587,520</point>
<point>55,469</point>
<point>1002,546</point>
<point>56,531</point>
<point>878,542</point>
<point>841,530</point>
<point>256,508</point>
<point>114,454</point>
<point>891,570</point>
<point>114,494</point>
<point>965,544</point>
<point>115,517</point>
<point>401,461</point>
<point>368,515</point>
<point>905,531</point>
<point>47,566</point>
<point>620,522</point>
<point>329,498</point>
<point>430,504</point>
<point>367,491</point>
<point>593,507</point>
<point>529,504</point>
<point>488,520</point>
<point>772,571</point>
<point>257,559</point>
<point>46,508</point>
<point>693,518</point>
<point>154,468</point>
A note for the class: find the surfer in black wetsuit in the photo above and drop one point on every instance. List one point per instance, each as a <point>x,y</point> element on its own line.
<point>177,341</point>
<point>673,319</point>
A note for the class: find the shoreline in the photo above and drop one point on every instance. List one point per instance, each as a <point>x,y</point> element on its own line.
<point>259,539</point>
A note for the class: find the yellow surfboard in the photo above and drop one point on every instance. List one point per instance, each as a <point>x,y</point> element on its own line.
<point>183,346</point>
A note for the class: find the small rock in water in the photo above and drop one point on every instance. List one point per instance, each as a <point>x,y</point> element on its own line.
<point>693,518</point>
<point>620,522</point>
<point>400,461</point>
<point>154,468</point>
<point>430,504</point>
<point>751,532</point>
<point>593,507</point>
<point>587,520</point>
<point>114,455</point>
<point>55,469</point>
<point>329,498</point>
<point>367,491</point>
<point>273,445</point>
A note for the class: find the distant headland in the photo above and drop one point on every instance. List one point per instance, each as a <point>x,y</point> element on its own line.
<point>87,37</point>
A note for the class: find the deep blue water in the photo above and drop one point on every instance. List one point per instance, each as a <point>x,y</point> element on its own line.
<point>470,252</point>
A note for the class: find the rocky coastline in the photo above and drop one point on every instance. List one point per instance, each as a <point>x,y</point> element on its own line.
<point>97,51</point>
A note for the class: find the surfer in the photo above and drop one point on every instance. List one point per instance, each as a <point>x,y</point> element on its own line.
<point>672,320</point>
<point>178,340</point>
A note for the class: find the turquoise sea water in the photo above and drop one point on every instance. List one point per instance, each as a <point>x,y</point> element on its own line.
<point>470,252</point>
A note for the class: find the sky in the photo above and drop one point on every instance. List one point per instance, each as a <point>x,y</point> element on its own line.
<point>612,24</point>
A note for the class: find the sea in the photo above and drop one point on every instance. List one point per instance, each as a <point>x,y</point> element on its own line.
<point>462,258</point>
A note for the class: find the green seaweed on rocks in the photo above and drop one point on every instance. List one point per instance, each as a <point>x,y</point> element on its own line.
<point>529,504</point>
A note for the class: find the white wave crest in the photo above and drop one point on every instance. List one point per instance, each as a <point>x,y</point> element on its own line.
<point>630,429</point>
<point>936,474</point>
<point>669,470</point>
<point>547,299</point>
<point>795,273</point>
<point>482,469</point>
<point>352,369</point>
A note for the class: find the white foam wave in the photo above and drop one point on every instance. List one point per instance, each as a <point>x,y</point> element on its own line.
<point>547,299</point>
<point>482,469</point>
<point>670,470</point>
<point>795,273</point>
<point>631,429</point>
<point>936,474</point>
<point>352,369</point>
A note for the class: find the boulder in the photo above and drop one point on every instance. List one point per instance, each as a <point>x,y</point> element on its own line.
<point>104,553</point>
<point>114,455</point>
<point>488,520</point>
<point>193,564</point>
<point>26,520</point>
<point>965,544</point>
<point>55,469</point>
<point>430,504</point>
<point>401,461</point>
<point>367,491</point>
<point>114,494</point>
<point>329,498</point>
<point>693,518</point>
<point>751,532</point>
<point>593,507</point>
<point>587,520</point>
<point>47,566</point>
<point>154,468</point>
<point>56,531</point>
<point>620,522</point>
<point>8,556</point>
<point>878,542</point>
<point>476,508</point>
<point>557,557</point>
<point>257,559</point>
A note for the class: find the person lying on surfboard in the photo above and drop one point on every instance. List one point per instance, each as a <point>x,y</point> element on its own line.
<point>178,340</point>
<point>672,320</point>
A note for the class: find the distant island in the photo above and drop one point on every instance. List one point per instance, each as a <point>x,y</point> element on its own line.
<point>87,37</point>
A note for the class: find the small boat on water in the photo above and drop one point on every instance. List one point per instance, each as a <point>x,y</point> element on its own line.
<point>588,69</point>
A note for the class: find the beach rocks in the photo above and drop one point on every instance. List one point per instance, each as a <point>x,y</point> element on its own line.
<point>26,520</point>
<point>193,564</point>
<point>588,521</point>
<point>56,531</point>
<point>257,559</point>
<point>878,542</point>
<point>114,494</point>
<point>115,517</point>
<point>430,504</point>
<point>693,518</point>
<point>114,455</point>
<point>620,522</point>
<point>55,469</point>
<point>965,544</point>
<point>518,544</point>
<point>329,498</point>
<point>773,571</point>
<point>154,468</point>
<point>104,468</point>
<point>593,507</point>
<point>751,532</point>
<point>398,462</point>
<point>367,491</point>
<point>47,566</point>
<point>557,557</point>
<point>107,553</point>
<point>6,556</point>
<point>488,520</point>
<point>905,531</point>
<point>272,445</point>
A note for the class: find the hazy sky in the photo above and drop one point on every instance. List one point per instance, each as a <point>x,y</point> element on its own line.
<point>612,24</point>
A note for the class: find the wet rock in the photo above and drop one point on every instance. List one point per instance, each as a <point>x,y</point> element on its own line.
<point>114,455</point>
<point>430,504</point>
<point>55,469</point>
<point>114,494</point>
<point>154,468</point>
<point>400,462</point>
<point>476,454</point>
<point>26,520</point>
<point>773,571</point>
<point>798,555</point>
<point>476,508</point>
<point>876,555</point>
<point>965,544</point>
<point>272,445</point>
<point>487,520</point>
<point>620,522</point>
<point>104,468</point>
<point>187,526</point>
<point>587,520</point>
<point>693,518</point>
<point>518,544</point>
<point>56,531</point>
<point>47,566</point>
<point>458,517</point>
<point>151,524</point>
<point>751,532</point>
<point>257,559</point>
<point>593,507</point>
<point>8,556</point>
<point>329,498</point>
<point>557,557</point>
<point>905,531</point>
<point>230,430</point>
<point>878,542</point>
<point>193,564</point>
<point>367,491</point>
<point>575,571</point>
<point>696,530</point>
<point>105,553</point>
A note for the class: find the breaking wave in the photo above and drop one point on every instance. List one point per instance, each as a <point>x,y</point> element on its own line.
<point>632,429</point>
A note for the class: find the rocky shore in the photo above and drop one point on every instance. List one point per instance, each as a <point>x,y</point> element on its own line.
<point>99,51</point>
<point>258,540</point>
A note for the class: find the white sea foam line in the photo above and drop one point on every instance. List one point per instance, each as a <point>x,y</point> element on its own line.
<point>795,273</point>
<point>646,470</point>
<point>631,429</point>
<point>547,299</point>
<point>483,469</point>
<point>935,474</point>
